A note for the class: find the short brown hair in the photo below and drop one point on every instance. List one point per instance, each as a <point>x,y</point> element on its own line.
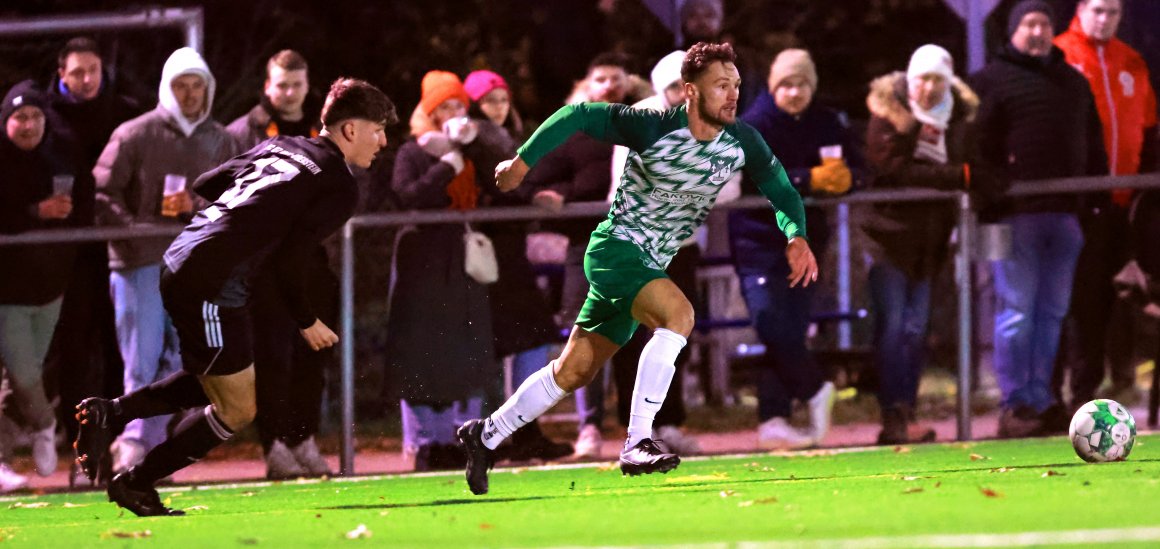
<point>80,44</point>
<point>703,54</point>
<point>353,98</point>
<point>287,60</point>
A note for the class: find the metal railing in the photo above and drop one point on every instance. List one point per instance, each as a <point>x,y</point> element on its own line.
<point>191,21</point>
<point>964,254</point>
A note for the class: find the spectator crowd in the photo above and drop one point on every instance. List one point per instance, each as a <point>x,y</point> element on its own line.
<point>83,319</point>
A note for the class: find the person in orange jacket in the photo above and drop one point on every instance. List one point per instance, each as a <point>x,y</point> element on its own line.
<point>1126,103</point>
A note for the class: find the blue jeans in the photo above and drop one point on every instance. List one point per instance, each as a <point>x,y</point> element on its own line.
<point>147,340</point>
<point>424,424</point>
<point>1033,290</point>
<point>25,333</point>
<point>781,316</point>
<point>901,315</point>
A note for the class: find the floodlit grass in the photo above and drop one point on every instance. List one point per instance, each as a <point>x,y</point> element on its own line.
<point>887,496</point>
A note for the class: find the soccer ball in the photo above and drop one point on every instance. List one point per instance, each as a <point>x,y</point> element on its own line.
<point>1102,430</point>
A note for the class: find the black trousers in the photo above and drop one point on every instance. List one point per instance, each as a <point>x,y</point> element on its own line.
<point>683,272</point>
<point>1098,328</point>
<point>83,359</point>
<point>289,376</point>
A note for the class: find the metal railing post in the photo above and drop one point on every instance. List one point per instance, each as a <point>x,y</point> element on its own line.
<point>844,302</point>
<point>346,467</point>
<point>963,283</point>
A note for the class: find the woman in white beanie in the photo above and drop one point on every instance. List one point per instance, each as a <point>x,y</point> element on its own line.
<point>916,138</point>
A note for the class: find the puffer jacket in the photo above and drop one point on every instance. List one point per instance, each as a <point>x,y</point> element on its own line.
<point>913,235</point>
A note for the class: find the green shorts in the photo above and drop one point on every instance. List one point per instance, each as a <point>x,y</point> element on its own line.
<point>616,272</point>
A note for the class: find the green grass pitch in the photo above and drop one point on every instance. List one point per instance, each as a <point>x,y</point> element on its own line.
<point>1008,493</point>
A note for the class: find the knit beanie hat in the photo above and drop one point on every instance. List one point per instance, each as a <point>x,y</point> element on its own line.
<point>667,71</point>
<point>480,83</point>
<point>22,94</point>
<point>439,86</point>
<point>793,62</point>
<point>930,59</point>
<point>1022,9</point>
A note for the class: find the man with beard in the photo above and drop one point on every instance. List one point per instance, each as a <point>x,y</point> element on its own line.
<point>679,161</point>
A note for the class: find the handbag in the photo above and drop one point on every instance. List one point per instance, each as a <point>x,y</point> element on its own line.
<point>479,256</point>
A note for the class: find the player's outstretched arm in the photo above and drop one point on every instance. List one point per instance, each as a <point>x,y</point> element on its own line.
<point>510,173</point>
<point>319,336</point>
<point>803,266</point>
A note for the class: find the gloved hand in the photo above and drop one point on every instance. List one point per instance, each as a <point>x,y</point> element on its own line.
<point>435,144</point>
<point>832,177</point>
<point>461,130</point>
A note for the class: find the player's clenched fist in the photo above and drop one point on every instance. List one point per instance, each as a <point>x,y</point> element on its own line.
<point>509,173</point>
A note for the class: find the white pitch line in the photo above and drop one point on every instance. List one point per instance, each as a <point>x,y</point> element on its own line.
<point>1018,539</point>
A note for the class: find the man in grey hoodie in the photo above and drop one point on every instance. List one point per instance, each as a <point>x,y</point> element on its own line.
<point>140,179</point>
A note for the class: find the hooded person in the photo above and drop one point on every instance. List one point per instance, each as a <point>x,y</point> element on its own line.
<point>41,188</point>
<point>141,178</point>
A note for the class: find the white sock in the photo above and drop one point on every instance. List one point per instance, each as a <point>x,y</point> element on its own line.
<point>536,395</point>
<point>653,375</point>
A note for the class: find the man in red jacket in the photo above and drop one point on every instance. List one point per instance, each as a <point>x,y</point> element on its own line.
<point>1126,102</point>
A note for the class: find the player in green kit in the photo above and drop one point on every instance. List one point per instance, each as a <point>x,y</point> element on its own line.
<point>678,162</point>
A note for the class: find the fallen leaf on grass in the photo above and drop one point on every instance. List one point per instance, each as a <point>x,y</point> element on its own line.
<point>912,490</point>
<point>938,484</point>
<point>485,526</point>
<point>68,505</point>
<point>902,449</point>
<point>727,493</point>
<point>121,534</point>
<point>384,513</point>
<point>977,457</point>
<point>248,494</point>
<point>914,478</point>
<point>761,501</point>
<point>990,493</point>
<point>1052,473</point>
<point>1003,470</point>
<point>35,505</point>
<point>360,532</point>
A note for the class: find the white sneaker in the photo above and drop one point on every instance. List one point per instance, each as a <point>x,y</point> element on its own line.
<point>588,442</point>
<point>281,463</point>
<point>677,441</point>
<point>126,453</point>
<point>821,407</point>
<point>44,450</point>
<point>310,458</point>
<point>11,480</point>
<point>777,434</point>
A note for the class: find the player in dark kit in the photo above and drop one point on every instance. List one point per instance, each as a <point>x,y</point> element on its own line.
<point>279,200</point>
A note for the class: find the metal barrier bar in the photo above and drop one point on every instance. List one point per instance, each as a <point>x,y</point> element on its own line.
<point>190,20</point>
<point>591,209</point>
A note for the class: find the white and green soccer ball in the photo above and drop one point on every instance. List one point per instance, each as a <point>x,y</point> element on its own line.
<point>1102,430</point>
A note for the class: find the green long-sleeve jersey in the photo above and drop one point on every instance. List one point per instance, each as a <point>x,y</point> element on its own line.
<point>671,179</point>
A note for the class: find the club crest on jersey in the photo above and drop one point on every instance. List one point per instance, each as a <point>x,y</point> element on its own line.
<point>721,168</point>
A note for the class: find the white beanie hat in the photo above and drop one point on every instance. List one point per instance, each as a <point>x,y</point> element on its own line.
<point>930,59</point>
<point>667,71</point>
